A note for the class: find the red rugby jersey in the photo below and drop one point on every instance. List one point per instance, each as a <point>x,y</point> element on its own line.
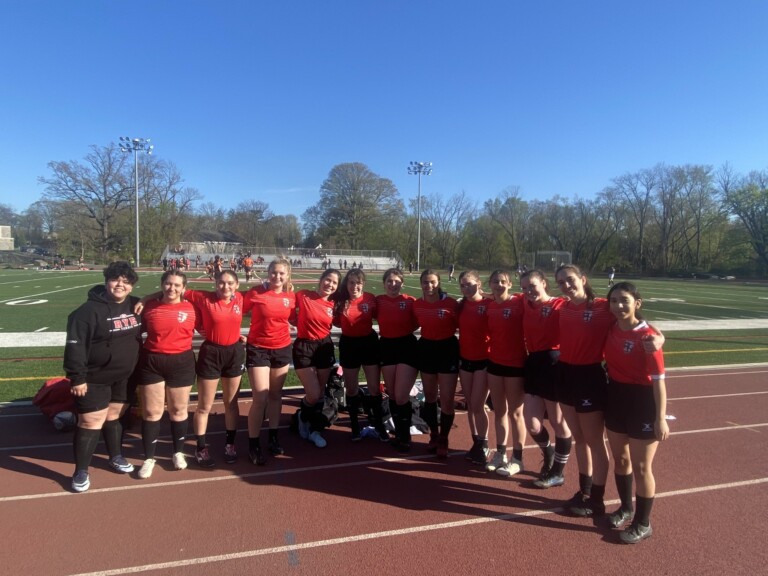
<point>221,319</point>
<point>169,327</point>
<point>505,328</point>
<point>541,325</point>
<point>583,329</point>
<point>626,359</point>
<point>473,329</point>
<point>395,315</point>
<point>357,317</point>
<point>438,320</point>
<point>314,315</point>
<point>271,313</point>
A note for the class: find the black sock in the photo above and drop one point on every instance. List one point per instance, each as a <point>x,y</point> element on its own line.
<point>624,488</point>
<point>446,423</point>
<point>429,414</point>
<point>305,411</point>
<point>643,513</point>
<point>150,431</point>
<point>517,454</point>
<point>230,437</point>
<point>84,445</point>
<point>542,438</point>
<point>178,435</point>
<point>272,435</point>
<point>598,493</point>
<point>585,484</point>
<point>562,451</point>
<point>501,448</point>
<point>112,431</point>
<point>254,444</point>
<point>200,441</point>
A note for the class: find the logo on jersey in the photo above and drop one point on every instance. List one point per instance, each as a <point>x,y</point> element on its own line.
<point>236,309</point>
<point>647,427</point>
<point>441,313</point>
<point>587,316</point>
<point>506,313</point>
<point>629,345</point>
<point>183,317</point>
<point>480,310</point>
<point>124,322</point>
<point>286,303</point>
<point>586,402</point>
<point>546,311</point>
<point>402,306</point>
<point>364,308</point>
<point>329,312</point>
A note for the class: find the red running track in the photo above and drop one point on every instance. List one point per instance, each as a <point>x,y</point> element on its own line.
<point>361,509</point>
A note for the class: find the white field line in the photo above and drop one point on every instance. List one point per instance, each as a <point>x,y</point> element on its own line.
<point>29,296</point>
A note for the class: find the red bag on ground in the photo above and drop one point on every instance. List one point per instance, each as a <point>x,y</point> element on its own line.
<point>55,399</point>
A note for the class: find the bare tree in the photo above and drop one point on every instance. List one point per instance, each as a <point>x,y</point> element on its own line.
<point>747,198</point>
<point>448,218</point>
<point>510,212</point>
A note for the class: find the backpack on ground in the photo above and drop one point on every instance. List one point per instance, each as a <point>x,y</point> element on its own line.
<point>54,399</point>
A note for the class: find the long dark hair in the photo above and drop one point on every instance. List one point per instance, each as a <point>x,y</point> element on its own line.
<point>341,297</point>
<point>430,272</point>
<point>588,290</point>
<point>630,289</point>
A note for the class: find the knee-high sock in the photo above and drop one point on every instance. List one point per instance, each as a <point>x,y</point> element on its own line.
<point>84,445</point>
<point>150,431</point>
<point>112,431</point>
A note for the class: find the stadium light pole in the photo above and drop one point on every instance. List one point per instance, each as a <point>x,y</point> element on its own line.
<point>136,145</point>
<point>419,168</point>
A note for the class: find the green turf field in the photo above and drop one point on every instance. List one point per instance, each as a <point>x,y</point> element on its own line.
<point>39,302</point>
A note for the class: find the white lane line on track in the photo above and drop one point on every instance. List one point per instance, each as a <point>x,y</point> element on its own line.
<point>375,461</point>
<point>292,548</point>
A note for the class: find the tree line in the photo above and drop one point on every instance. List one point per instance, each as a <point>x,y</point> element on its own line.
<point>666,220</point>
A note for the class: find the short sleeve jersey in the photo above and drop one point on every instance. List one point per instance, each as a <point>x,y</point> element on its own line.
<point>169,327</point>
<point>219,320</point>
<point>271,313</point>
<point>626,359</point>
<point>357,317</point>
<point>541,325</point>
<point>505,329</point>
<point>583,330</point>
<point>314,315</point>
<point>473,329</point>
<point>395,315</point>
<point>438,320</point>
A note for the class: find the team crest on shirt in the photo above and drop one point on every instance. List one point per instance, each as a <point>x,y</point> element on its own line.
<point>506,314</point>
<point>480,310</point>
<point>441,313</point>
<point>587,316</point>
<point>183,317</point>
<point>629,345</point>
<point>546,311</point>
<point>286,303</point>
<point>402,305</point>
<point>236,309</point>
<point>364,308</point>
<point>329,312</point>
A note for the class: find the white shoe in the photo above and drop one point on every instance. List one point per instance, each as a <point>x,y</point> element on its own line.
<point>317,439</point>
<point>510,468</point>
<point>499,459</point>
<point>179,461</point>
<point>146,469</point>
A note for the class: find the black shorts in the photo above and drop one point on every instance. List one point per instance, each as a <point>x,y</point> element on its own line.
<point>505,371</point>
<point>541,374</point>
<point>215,361</point>
<point>631,409</point>
<point>472,365</point>
<point>439,356</point>
<point>314,353</point>
<point>581,386</point>
<point>356,351</point>
<point>176,370</point>
<point>400,350</point>
<point>257,357</point>
<point>100,396</point>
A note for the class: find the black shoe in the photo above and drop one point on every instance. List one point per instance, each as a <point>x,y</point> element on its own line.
<point>257,457</point>
<point>356,435</point>
<point>550,481</point>
<point>635,533</point>
<point>383,434</point>
<point>587,508</point>
<point>401,446</point>
<point>619,518</point>
<point>546,465</point>
<point>274,446</point>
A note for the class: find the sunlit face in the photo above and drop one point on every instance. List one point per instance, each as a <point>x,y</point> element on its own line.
<point>173,289</point>
<point>430,285</point>
<point>500,285</point>
<point>278,275</point>
<point>571,284</point>
<point>534,288</point>
<point>118,289</point>
<point>393,284</point>
<point>624,306</point>
<point>328,285</point>
<point>470,287</point>
<point>226,286</point>
<point>355,287</point>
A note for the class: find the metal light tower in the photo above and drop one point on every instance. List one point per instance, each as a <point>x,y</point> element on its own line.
<point>419,168</point>
<point>136,145</point>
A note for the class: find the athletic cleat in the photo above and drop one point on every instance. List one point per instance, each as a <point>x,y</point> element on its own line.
<point>81,481</point>
<point>317,439</point>
<point>549,481</point>
<point>432,444</point>
<point>230,454</point>
<point>146,469</point>
<point>203,458</point>
<point>275,448</point>
<point>587,508</point>
<point>121,465</point>
<point>179,461</point>
<point>304,429</point>
<point>546,465</point>
<point>442,448</point>
<point>619,518</point>
<point>512,467</point>
<point>499,459</point>
<point>257,457</point>
<point>635,533</point>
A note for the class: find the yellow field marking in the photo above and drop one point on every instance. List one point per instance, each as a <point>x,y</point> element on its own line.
<point>715,351</point>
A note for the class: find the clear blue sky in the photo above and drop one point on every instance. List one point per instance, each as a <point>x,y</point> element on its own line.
<point>260,100</point>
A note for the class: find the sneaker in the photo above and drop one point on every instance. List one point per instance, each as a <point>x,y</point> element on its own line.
<point>442,448</point>
<point>512,467</point>
<point>179,461</point>
<point>549,481</point>
<point>499,459</point>
<point>317,439</point>
<point>274,447</point>
<point>635,533</point>
<point>121,465</point>
<point>230,454</point>
<point>587,508</point>
<point>432,444</point>
<point>479,454</point>
<point>619,518</point>
<point>81,481</point>
<point>304,429</point>
<point>146,469</point>
<point>257,457</point>
<point>203,458</point>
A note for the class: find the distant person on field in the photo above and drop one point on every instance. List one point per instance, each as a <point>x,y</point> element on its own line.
<point>611,274</point>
